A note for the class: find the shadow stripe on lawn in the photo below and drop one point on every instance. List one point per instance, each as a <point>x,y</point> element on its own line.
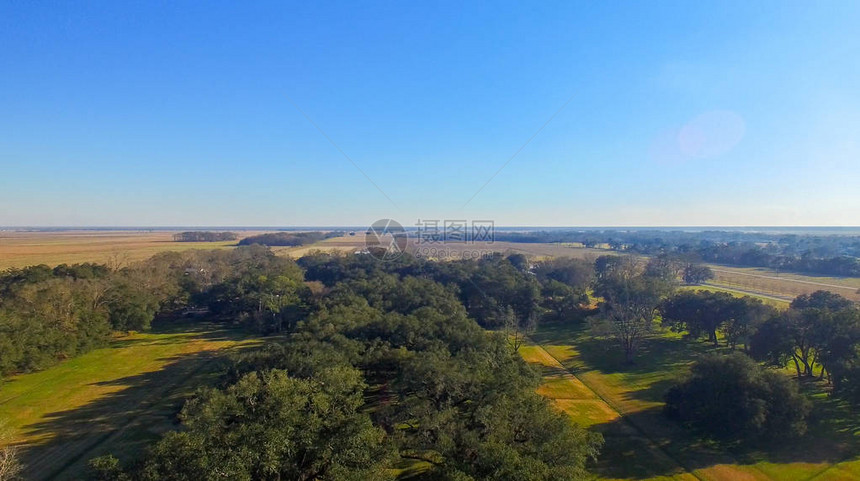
<point>651,443</point>
<point>48,471</point>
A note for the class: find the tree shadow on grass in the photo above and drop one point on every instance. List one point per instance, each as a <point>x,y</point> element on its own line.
<point>660,358</point>
<point>122,422</point>
<point>645,443</point>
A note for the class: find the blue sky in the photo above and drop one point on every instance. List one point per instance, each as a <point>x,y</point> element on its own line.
<point>188,113</point>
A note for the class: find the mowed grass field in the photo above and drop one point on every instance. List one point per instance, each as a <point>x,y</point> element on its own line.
<point>587,378</point>
<point>111,400</point>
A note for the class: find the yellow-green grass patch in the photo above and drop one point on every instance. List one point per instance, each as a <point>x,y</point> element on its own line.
<point>564,387</point>
<point>587,412</point>
<point>112,399</point>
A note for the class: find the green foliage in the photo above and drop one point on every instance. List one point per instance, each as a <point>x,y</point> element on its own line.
<point>288,238</point>
<point>704,313</point>
<point>107,468</point>
<point>564,283</point>
<point>49,320</point>
<point>131,306</point>
<point>630,300</point>
<point>386,360</point>
<point>475,414</point>
<point>204,236</point>
<point>821,328</point>
<point>696,274</point>
<point>252,285</point>
<point>272,426</point>
<point>575,273</point>
<point>731,398</point>
<point>47,315</point>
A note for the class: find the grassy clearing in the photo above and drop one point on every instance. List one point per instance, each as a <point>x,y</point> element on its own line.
<point>642,444</point>
<point>113,399</point>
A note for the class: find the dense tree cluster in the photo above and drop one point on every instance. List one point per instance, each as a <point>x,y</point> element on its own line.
<point>705,313</point>
<point>47,315</point>
<point>732,398</point>
<point>819,331</point>
<point>386,364</point>
<point>696,274</point>
<point>288,238</point>
<point>489,288</point>
<point>204,236</point>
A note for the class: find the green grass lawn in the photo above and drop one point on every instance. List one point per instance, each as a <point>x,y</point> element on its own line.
<point>624,403</point>
<point>113,399</point>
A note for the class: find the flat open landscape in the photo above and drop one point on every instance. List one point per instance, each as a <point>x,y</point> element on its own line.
<point>114,399</point>
<point>119,398</point>
<point>587,378</point>
<point>424,241</point>
<point>20,249</point>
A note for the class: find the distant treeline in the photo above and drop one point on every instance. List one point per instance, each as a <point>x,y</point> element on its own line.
<point>204,236</point>
<point>288,238</point>
<point>830,255</point>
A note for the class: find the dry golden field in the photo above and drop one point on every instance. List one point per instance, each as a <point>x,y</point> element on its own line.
<point>118,248</point>
<point>781,284</point>
<point>19,249</point>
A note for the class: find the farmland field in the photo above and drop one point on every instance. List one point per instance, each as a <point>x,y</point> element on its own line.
<point>587,378</point>
<point>113,399</point>
<point>20,249</point>
<point>790,285</point>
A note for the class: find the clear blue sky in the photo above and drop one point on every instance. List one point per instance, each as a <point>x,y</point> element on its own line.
<point>181,113</point>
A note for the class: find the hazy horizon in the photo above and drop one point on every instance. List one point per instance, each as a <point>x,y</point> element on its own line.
<point>820,229</point>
